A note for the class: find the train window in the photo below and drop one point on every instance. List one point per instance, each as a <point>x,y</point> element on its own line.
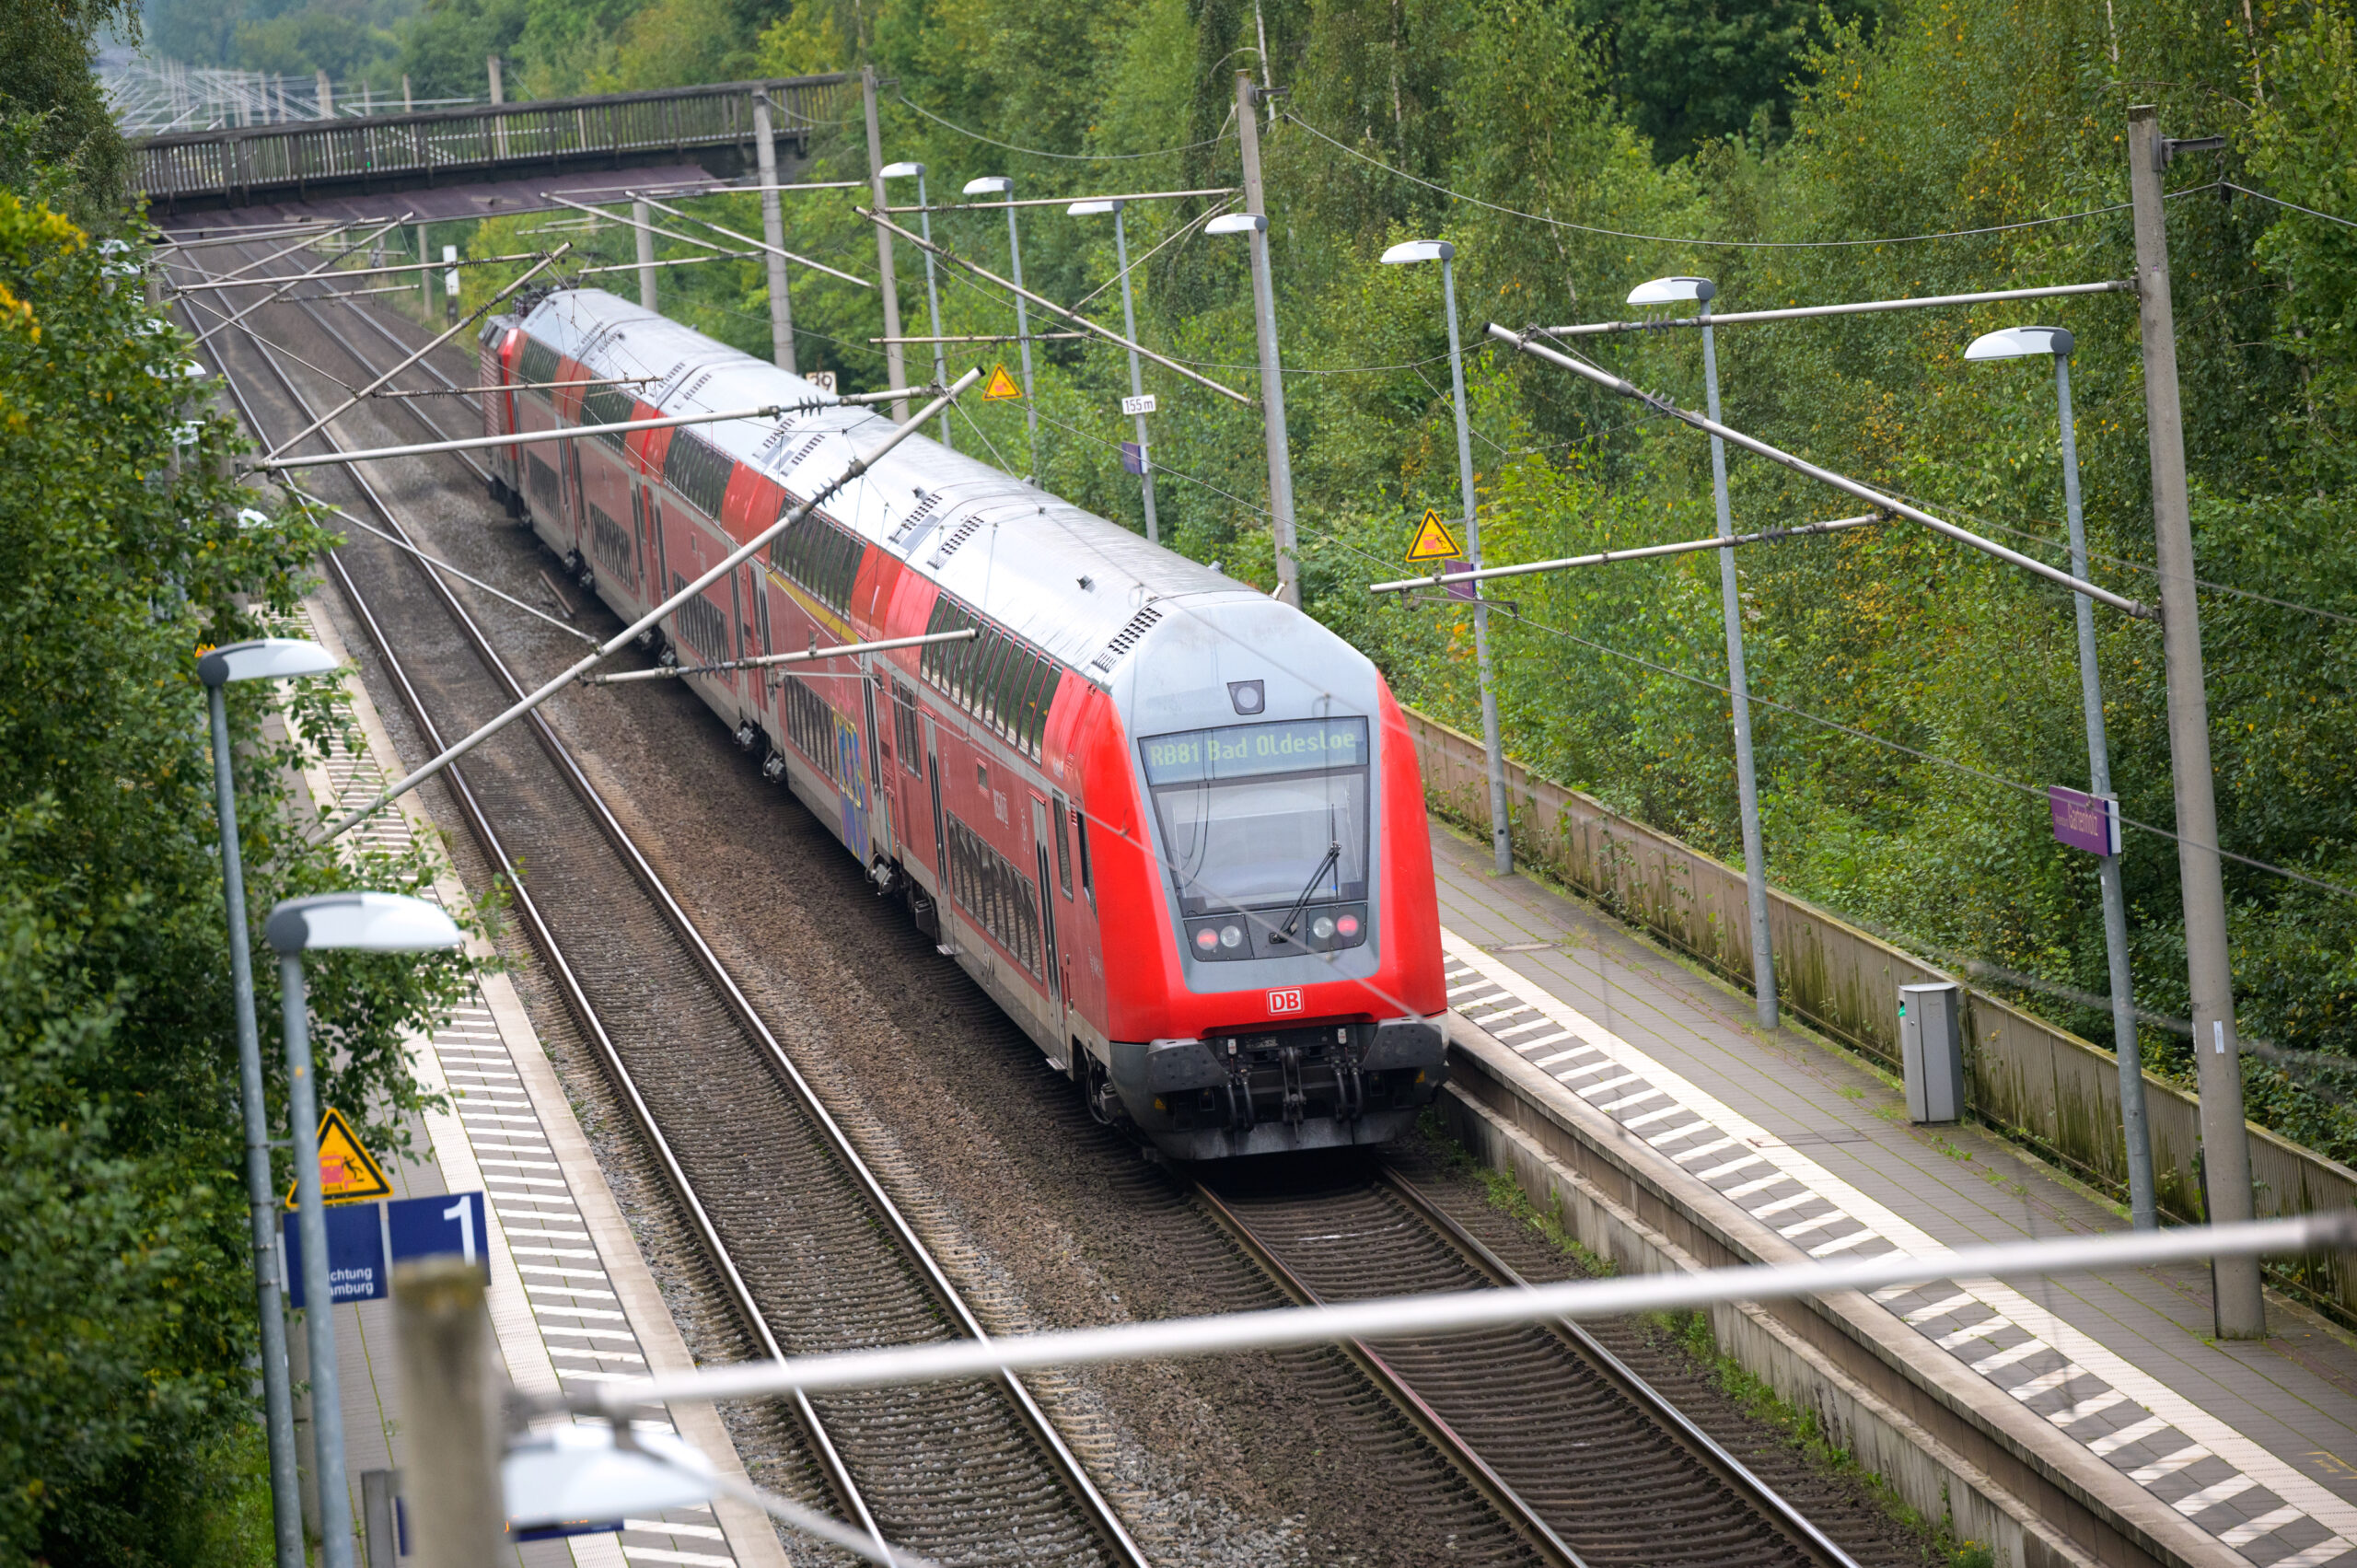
<point>1063,846</point>
<point>536,362</point>
<point>611,545</point>
<point>983,701</point>
<point>608,405</point>
<point>698,471</point>
<point>906,736</point>
<point>1035,707</point>
<point>1006,702</point>
<point>944,619</point>
<point>1015,713</point>
<point>1080,847</point>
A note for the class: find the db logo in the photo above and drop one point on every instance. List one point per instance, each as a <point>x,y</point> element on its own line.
<point>1284,1002</point>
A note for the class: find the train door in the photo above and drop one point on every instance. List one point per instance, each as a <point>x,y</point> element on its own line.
<point>884,829</point>
<point>579,509</point>
<point>1052,963</point>
<point>1062,815</point>
<point>855,791</point>
<point>738,629</point>
<point>940,829</point>
<point>662,589</point>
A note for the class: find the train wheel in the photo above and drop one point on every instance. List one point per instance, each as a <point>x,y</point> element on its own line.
<point>1103,1103</point>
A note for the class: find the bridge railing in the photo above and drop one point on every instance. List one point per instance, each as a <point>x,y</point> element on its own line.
<point>246,162</point>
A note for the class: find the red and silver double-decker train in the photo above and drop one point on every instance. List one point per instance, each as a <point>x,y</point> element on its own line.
<point>1174,827</point>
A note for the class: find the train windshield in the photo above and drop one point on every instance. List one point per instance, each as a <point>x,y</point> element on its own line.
<point>1261,815</point>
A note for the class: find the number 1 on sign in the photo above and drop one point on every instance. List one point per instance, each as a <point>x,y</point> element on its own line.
<point>464,1212</point>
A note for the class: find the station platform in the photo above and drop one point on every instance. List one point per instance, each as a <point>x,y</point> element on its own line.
<point>2210,1451</point>
<point>571,1297</point>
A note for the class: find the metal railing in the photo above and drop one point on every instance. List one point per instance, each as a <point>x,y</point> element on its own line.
<point>393,152</point>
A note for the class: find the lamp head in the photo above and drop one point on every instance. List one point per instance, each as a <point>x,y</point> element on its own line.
<point>1093,209</point>
<point>1673,291</point>
<point>990,185</point>
<point>359,922</point>
<point>2021,342</point>
<point>901,171</point>
<point>1237,223</point>
<point>266,658</point>
<point>1418,250</point>
<point>577,1475</point>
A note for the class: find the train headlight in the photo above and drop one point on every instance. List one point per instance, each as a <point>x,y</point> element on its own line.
<point>1348,925</point>
<point>1206,940</point>
<point>1231,936</point>
<point>1322,927</point>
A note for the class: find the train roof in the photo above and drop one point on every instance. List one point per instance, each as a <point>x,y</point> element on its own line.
<point>1078,586</point>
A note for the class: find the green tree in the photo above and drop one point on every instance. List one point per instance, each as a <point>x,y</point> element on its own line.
<point>126,545</point>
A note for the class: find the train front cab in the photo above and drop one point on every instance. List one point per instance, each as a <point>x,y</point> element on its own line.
<point>1267,907</point>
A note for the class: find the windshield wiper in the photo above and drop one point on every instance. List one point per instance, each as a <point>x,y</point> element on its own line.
<point>1293,916</point>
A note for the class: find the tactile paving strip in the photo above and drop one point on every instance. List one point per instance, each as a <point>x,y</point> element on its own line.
<point>2225,1483</point>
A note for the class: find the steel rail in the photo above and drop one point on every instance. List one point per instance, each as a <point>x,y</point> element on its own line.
<point>1714,1456</point>
<point>1100,1511</point>
<point>831,1462</point>
<point>1459,1455</point>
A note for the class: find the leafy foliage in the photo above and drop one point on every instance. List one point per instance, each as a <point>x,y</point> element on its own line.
<point>126,1305</point>
<point>1902,680</point>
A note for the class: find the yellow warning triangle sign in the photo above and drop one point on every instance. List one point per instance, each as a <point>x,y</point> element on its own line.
<point>1433,541</point>
<point>348,1173</point>
<point>1002,387</point>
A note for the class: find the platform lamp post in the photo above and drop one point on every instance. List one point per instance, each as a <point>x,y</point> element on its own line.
<point>1000,185</point>
<point>1129,329</point>
<point>1701,292</point>
<point>271,658</point>
<point>932,290</point>
<point>1501,824</point>
<point>364,923</point>
<point>2026,342</point>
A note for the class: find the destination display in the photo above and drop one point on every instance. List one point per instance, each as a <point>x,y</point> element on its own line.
<point>1288,746</point>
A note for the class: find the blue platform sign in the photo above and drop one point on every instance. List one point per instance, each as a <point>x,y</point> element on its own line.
<point>450,1224</point>
<point>355,1254</point>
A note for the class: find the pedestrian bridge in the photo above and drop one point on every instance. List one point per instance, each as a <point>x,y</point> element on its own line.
<point>299,161</point>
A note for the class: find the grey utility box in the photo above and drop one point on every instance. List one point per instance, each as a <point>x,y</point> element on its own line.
<point>1930,1050</point>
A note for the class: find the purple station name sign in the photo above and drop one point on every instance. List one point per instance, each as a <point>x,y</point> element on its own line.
<point>2086,821</point>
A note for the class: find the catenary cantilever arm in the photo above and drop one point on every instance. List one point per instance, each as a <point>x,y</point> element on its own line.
<point>454,328</point>
<point>1823,476</point>
<point>621,639</point>
<point>1074,317</point>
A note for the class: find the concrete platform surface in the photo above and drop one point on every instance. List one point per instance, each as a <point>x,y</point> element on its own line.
<point>2255,1444</point>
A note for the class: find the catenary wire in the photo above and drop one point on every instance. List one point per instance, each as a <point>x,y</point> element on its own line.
<point>2144,567</point>
<point>1687,239</point>
<point>2230,185</point>
<point>2029,789</point>
<point>1069,157</point>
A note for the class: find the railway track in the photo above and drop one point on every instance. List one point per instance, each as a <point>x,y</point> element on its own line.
<point>970,1472</point>
<point>1638,1484</point>
<point>1475,1431</point>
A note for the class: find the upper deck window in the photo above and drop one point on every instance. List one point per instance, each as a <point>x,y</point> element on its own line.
<point>698,470</point>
